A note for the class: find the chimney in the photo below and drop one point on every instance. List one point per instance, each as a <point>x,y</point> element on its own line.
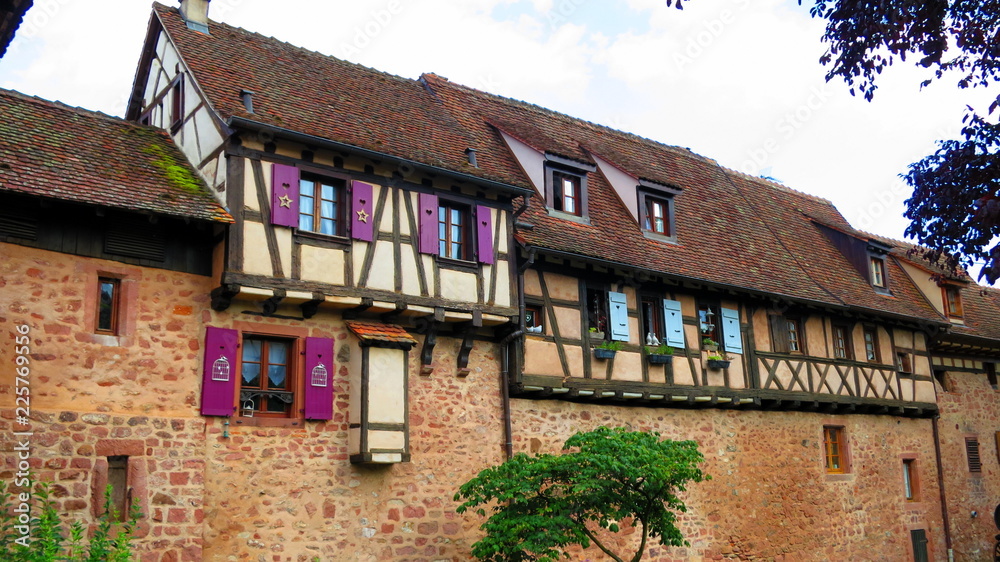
<point>195,14</point>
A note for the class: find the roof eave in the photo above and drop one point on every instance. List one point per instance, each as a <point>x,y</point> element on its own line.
<point>242,122</point>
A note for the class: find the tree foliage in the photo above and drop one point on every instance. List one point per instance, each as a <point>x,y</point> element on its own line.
<point>953,210</point>
<point>541,504</point>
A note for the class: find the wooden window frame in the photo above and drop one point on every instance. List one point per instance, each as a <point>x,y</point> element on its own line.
<point>340,222</point>
<point>877,272</point>
<point>952,306</point>
<point>651,318</point>
<point>176,93</point>
<point>904,362</point>
<point>116,309</point>
<point>465,245</point>
<point>292,376</point>
<point>843,347</point>
<point>715,321</point>
<point>533,318</point>
<point>973,454</point>
<point>555,199</point>
<point>796,328</point>
<point>647,199</point>
<point>835,450</point>
<point>875,355</point>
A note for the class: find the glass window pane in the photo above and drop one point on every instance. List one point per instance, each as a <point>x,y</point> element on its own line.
<point>327,210</point>
<point>305,222</point>
<point>305,188</point>
<point>252,350</point>
<point>276,377</point>
<point>277,353</point>
<point>251,375</point>
<point>456,251</point>
<point>328,192</point>
<point>105,318</point>
<point>327,227</point>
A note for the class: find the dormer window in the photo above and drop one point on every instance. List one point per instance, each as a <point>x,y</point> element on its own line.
<point>656,210</point>
<point>953,301</point>
<point>567,192</point>
<point>566,187</point>
<point>877,265</point>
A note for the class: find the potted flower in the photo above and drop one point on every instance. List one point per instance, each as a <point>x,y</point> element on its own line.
<point>659,355</point>
<point>607,349</point>
<point>718,361</point>
<point>708,344</point>
<point>596,334</point>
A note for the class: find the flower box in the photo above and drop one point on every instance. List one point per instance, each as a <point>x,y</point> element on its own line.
<point>602,354</point>
<point>718,364</point>
<point>659,359</point>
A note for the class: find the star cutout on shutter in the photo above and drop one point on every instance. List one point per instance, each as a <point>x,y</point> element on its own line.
<point>362,216</point>
<point>286,201</point>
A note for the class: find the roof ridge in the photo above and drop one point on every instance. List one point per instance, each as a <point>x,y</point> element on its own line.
<point>294,46</point>
<point>558,114</point>
<point>83,111</point>
<point>778,185</point>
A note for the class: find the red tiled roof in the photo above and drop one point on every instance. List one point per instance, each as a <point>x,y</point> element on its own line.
<point>51,150</point>
<point>374,331</point>
<point>732,230</point>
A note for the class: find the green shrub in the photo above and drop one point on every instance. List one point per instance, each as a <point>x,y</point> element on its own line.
<point>49,539</point>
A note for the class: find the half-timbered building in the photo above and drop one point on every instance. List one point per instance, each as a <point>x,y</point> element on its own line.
<point>421,279</point>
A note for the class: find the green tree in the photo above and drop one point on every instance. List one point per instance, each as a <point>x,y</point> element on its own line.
<point>541,504</point>
<point>955,207</point>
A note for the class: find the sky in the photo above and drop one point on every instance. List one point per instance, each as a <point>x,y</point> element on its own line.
<point>734,80</point>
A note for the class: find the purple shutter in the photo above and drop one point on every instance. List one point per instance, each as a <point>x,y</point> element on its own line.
<point>319,379</point>
<point>284,195</point>
<point>218,389</point>
<point>484,233</point>
<point>362,218</point>
<point>428,223</point>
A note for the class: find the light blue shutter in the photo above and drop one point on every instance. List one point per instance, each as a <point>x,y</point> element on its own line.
<point>619,316</point>
<point>731,338</point>
<point>674,322</point>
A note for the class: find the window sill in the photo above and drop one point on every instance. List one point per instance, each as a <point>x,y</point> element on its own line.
<point>839,477</point>
<point>660,237</point>
<point>268,422</point>
<point>459,265</point>
<point>567,216</point>
<point>309,238</point>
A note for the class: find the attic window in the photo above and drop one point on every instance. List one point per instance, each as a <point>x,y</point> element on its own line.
<point>656,210</point>
<point>877,266</point>
<point>952,301</point>
<point>566,187</point>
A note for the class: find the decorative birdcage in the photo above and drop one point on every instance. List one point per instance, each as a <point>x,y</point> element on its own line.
<point>319,375</point>
<point>220,369</point>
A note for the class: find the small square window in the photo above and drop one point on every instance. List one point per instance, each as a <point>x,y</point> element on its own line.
<point>321,205</point>
<point>566,190</point>
<point>903,362</point>
<point>533,319</point>
<point>453,231</point>
<point>835,447</point>
<point>108,305</point>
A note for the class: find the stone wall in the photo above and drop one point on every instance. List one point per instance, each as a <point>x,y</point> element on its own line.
<point>770,497</point>
<point>970,408</point>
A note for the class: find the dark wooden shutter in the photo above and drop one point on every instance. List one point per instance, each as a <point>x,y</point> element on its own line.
<point>779,333</point>
<point>362,211</point>
<point>918,538</point>
<point>618,306</point>
<point>428,223</point>
<point>972,450</point>
<point>284,195</point>
<point>484,234</point>
<point>731,339</point>
<point>218,390</point>
<point>674,324</point>
<point>319,379</point>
